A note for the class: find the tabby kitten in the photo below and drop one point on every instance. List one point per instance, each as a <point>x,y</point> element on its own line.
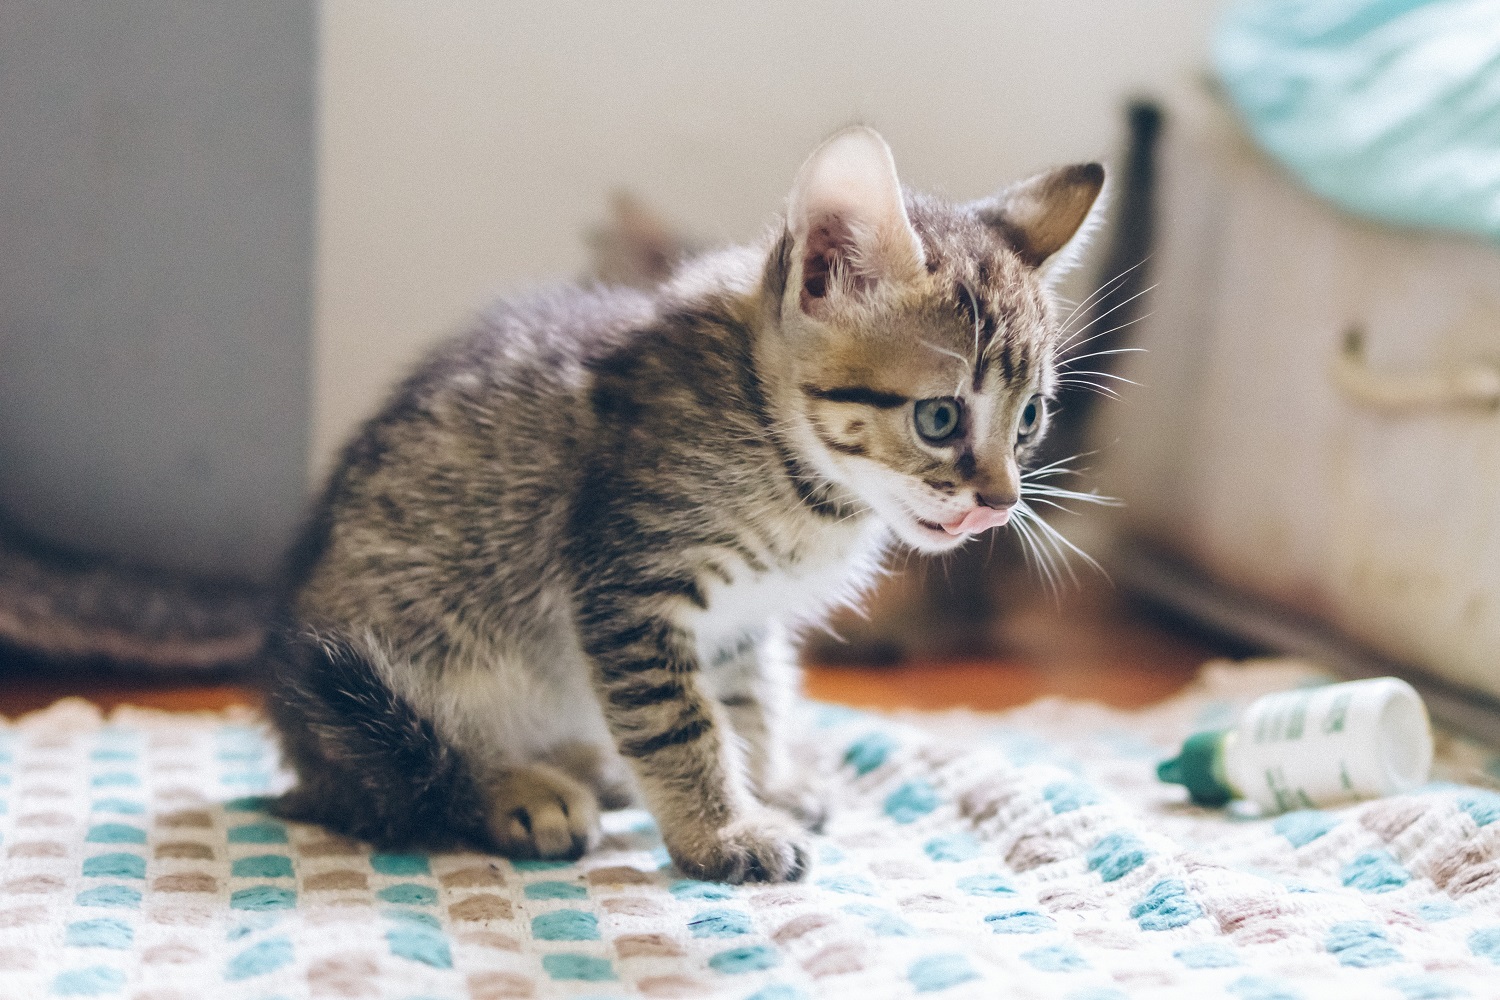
<point>562,567</point>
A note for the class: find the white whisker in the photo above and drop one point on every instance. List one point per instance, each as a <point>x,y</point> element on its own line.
<point>1103,289</point>
<point>1101,316</point>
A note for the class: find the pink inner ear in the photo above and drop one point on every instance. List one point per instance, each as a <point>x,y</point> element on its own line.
<point>817,263</point>
<point>828,245</point>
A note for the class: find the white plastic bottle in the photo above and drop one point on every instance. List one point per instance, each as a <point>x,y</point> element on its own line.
<point>1312,747</point>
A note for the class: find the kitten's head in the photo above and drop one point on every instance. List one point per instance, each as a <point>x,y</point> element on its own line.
<point>920,335</point>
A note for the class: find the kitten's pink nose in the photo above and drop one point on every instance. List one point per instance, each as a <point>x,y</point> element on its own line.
<point>977,520</point>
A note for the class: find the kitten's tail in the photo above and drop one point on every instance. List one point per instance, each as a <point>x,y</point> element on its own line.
<point>72,611</point>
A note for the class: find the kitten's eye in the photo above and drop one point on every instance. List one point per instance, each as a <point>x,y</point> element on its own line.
<point>1031,417</point>
<point>937,419</point>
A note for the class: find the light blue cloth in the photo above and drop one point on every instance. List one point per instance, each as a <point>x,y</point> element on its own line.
<point>1389,108</point>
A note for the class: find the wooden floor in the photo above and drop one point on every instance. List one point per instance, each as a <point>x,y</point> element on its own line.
<point>1091,645</point>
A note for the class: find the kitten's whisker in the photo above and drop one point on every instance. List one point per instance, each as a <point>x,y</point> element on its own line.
<point>1057,493</point>
<point>1048,536</point>
<point>944,350</point>
<point>1050,503</point>
<point>1091,387</point>
<point>1060,465</point>
<point>1058,538</point>
<point>1117,306</point>
<point>1117,378</point>
<point>1103,289</point>
<point>1114,329</point>
<point>1100,354</point>
<point>973,311</point>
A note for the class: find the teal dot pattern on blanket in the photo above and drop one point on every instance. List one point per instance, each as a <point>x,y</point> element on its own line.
<point>1483,807</point>
<point>751,958</point>
<point>1166,906</point>
<point>879,921</point>
<point>1304,826</point>
<point>416,942</point>
<point>408,893</point>
<point>1066,796</point>
<point>1207,955</point>
<point>258,833</point>
<point>1020,922</point>
<point>1116,855</point>
<point>565,925</point>
<point>868,752</point>
<point>938,882</point>
<point>262,866</point>
<point>960,846</point>
<point>1437,910</point>
<point>104,932</point>
<point>401,864</point>
<point>856,885</point>
<point>720,923</point>
<point>1263,988</point>
<point>109,896</point>
<point>911,801</point>
<point>263,897</point>
<point>1055,958</point>
<point>778,991</point>
<point>986,884</point>
<point>1425,987</point>
<point>693,889</point>
<point>1485,943</point>
<point>1361,944</point>
<point>115,865</point>
<point>931,973</point>
<point>1374,871</point>
<point>556,890</point>
<point>260,958</point>
<point>92,981</point>
<point>573,966</point>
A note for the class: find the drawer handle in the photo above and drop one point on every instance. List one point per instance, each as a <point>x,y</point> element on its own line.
<point>1473,386</point>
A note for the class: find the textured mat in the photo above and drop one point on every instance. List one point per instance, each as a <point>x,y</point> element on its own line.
<point>1029,854</point>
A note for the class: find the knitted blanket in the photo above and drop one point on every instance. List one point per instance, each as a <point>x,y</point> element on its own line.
<point>1027,854</point>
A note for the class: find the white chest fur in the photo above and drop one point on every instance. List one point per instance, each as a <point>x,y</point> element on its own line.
<point>833,569</point>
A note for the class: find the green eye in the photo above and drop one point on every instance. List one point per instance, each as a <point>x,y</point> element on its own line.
<point>937,419</point>
<point>1031,417</point>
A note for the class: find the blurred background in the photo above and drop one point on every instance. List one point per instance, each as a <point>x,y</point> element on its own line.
<point>226,229</point>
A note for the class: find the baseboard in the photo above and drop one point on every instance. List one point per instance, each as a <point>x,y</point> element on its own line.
<point>1161,579</point>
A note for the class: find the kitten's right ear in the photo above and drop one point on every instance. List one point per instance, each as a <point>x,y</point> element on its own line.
<point>847,220</point>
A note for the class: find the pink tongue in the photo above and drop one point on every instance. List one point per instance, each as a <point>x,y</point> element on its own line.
<point>977,520</point>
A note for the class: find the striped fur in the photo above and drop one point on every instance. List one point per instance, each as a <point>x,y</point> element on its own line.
<point>566,561</point>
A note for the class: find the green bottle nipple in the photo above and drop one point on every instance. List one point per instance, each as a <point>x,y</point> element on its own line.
<point>1200,766</point>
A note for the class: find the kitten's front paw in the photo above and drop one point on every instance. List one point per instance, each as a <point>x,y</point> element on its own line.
<point>765,847</point>
<point>540,813</point>
<point>800,799</point>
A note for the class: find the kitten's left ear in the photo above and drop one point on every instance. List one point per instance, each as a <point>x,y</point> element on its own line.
<point>847,219</point>
<point>1041,216</point>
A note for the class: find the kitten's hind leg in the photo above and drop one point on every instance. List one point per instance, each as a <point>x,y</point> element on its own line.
<point>539,812</point>
<point>367,765</point>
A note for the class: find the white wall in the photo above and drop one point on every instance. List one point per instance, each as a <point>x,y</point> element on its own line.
<point>466,145</point>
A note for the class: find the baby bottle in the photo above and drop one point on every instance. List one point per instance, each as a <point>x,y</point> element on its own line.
<point>1310,748</point>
